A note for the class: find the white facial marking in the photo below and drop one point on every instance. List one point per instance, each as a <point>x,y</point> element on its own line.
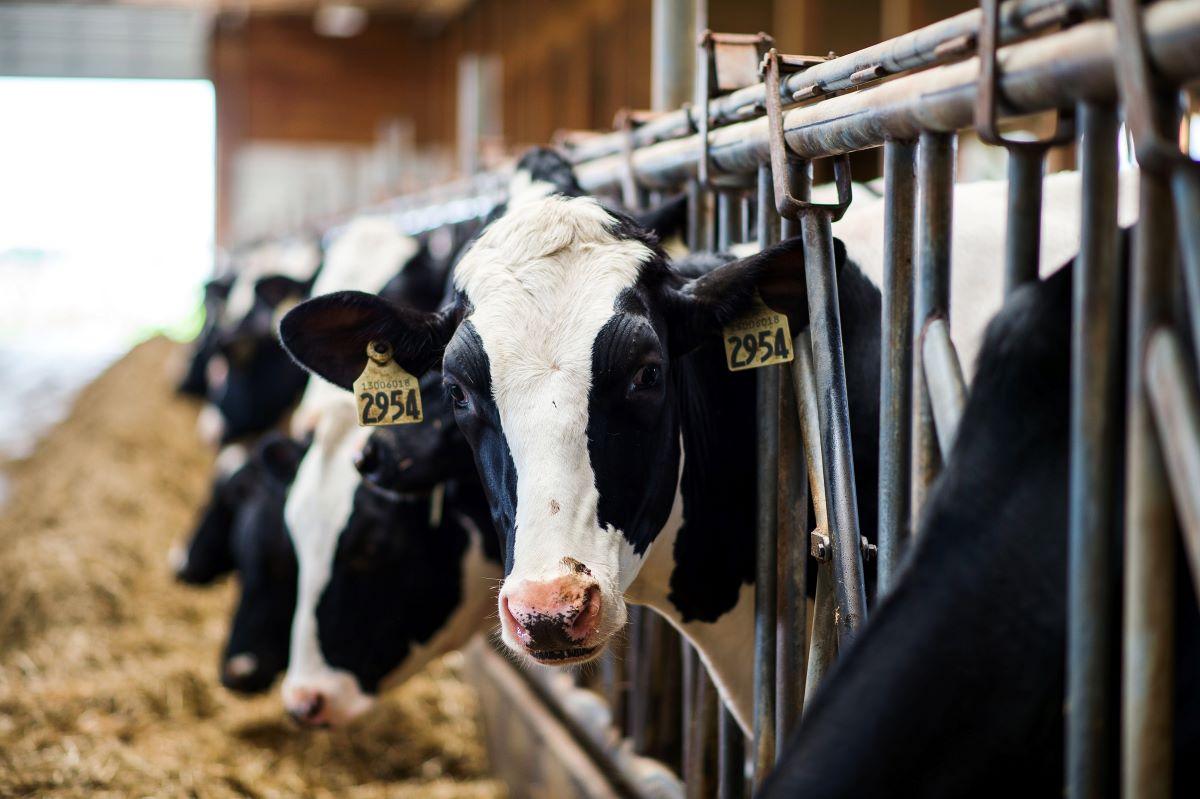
<point>317,510</point>
<point>543,280</point>
<point>230,459</point>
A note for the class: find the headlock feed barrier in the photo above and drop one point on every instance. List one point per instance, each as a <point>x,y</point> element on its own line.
<point>743,151</point>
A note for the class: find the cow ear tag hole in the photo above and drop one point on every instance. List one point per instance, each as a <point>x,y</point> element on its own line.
<point>760,337</point>
<point>386,394</point>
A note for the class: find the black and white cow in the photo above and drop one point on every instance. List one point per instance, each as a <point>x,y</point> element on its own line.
<point>616,450</point>
<point>955,687</point>
<point>241,530</point>
<point>194,382</point>
<point>398,561</point>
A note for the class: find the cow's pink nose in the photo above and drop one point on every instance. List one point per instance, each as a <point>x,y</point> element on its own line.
<point>554,616</point>
<point>308,708</point>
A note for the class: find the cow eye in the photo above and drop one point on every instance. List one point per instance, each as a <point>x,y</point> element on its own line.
<point>647,377</point>
<point>457,395</point>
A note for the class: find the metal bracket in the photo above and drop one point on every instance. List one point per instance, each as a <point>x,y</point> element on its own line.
<point>728,62</point>
<point>986,122</point>
<point>821,548</point>
<point>1138,87</point>
<point>786,202</point>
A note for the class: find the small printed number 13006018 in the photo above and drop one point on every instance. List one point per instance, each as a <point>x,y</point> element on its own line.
<point>399,403</point>
<point>764,346</point>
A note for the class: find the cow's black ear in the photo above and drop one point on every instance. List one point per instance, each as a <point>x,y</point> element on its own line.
<point>705,304</point>
<point>665,220</point>
<point>275,289</point>
<point>328,335</point>
<point>280,456</point>
<point>218,288</point>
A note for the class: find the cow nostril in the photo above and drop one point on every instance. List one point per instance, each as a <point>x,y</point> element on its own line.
<point>589,614</point>
<point>518,629</point>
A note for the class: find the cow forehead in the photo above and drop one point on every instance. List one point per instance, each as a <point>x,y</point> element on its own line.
<point>542,281</point>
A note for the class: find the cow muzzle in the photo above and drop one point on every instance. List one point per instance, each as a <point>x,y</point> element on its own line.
<point>329,700</point>
<point>555,622</point>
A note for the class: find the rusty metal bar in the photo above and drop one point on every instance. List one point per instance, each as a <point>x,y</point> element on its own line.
<point>765,572</point>
<point>824,635</point>
<point>1096,405</point>
<point>895,382</point>
<point>1149,619</point>
<point>791,658</point>
<point>944,381</point>
<point>1049,72</point>
<point>948,39</point>
<point>931,295</point>
<point>825,327</point>
<point>1176,409</point>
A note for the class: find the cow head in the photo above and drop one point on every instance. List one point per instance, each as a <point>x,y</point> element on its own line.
<point>389,579</point>
<point>565,356</point>
<point>194,382</point>
<point>242,531</point>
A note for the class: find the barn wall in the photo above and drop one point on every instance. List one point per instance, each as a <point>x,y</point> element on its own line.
<point>566,64</point>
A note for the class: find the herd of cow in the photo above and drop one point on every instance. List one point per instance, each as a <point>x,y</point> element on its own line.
<point>584,446</point>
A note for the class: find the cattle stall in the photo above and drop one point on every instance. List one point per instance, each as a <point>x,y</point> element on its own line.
<point>744,151</point>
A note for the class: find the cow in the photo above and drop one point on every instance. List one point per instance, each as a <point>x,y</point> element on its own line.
<point>955,687</point>
<point>194,382</point>
<point>398,563</point>
<point>241,530</point>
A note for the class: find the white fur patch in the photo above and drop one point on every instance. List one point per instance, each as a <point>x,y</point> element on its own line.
<point>230,459</point>
<point>522,188</point>
<point>543,281</point>
<point>296,259</point>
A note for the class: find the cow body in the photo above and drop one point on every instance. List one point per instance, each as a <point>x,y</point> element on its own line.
<point>956,685</point>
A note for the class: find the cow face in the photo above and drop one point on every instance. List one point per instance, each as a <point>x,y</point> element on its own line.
<point>194,382</point>
<point>388,580</point>
<point>564,357</point>
<point>242,530</point>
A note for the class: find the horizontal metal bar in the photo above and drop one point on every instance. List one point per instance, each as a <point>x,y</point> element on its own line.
<point>944,379</point>
<point>1049,72</point>
<point>940,41</point>
<point>1176,411</point>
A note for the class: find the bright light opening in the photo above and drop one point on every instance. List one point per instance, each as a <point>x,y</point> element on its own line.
<point>106,226</point>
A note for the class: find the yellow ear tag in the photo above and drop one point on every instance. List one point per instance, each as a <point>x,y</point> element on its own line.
<point>386,393</point>
<point>758,338</point>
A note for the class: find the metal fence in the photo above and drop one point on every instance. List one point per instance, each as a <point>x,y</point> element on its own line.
<point>743,150</point>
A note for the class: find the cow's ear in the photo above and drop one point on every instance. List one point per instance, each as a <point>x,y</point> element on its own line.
<point>704,305</point>
<point>280,456</point>
<point>275,289</point>
<point>665,220</point>
<point>328,335</point>
<point>218,288</point>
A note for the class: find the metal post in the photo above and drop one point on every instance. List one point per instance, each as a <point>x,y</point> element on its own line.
<point>824,636</point>
<point>944,381</point>
<point>1177,414</point>
<point>672,53</point>
<point>765,573</point>
<point>1023,237</point>
<point>1096,402</point>
<point>935,201</point>
<point>1185,191</point>
<point>895,381</point>
<point>825,325</point>
<point>1149,619</point>
<point>791,657</point>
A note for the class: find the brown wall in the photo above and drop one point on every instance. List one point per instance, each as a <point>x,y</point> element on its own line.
<point>567,64</point>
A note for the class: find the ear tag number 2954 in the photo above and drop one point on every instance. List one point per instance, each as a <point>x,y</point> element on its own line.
<point>386,393</point>
<point>759,338</point>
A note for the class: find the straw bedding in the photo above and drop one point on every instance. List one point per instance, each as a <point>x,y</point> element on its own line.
<point>108,669</point>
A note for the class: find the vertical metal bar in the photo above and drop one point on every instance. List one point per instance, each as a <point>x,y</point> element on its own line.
<point>1148,664</point>
<point>801,172</point>
<point>1023,238</point>
<point>731,743</point>
<point>895,380</point>
<point>935,202</point>
<point>1093,571</point>
<point>636,666</point>
<point>791,656</point>
<point>944,380</point>
<point>765,569</point>
<point>673,53</point>
<point>1185,191</point>
<point>824,636</point>
<point>746,233</point>
<point>825,325</point>
<point>704,706</point>
<point>1177,415</point>
<point>767,223</point>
